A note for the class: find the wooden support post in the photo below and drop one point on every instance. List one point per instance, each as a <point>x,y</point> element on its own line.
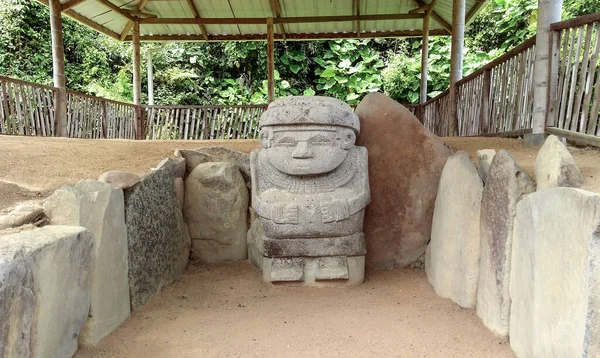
<point>58,70</point>
<point>424,59</point>
<point>270,60</point>
<point>456,61</point>
<point>137,81</point>
<point>486,89</point>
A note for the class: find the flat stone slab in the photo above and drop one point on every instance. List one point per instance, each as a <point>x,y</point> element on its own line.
<point>217,154</point>
<point>21,215</point>
<point>119,179</point>
<point>45,285</point>
<point>555,167</point>
<point>506,184</point>
<point>157,237</point>
<point>215,210</point>
<point>555,276</point>
<point>452,256</point>
<point>405,164</point>
<point>99,207</point>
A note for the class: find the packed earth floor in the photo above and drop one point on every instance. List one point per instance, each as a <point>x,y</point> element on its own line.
<point>225,310</point>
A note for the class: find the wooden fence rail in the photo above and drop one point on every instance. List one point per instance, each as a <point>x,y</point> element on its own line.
<point>26,108</point>
<point>202,122</point>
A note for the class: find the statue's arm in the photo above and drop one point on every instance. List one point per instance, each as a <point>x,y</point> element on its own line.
<point>363,198</point>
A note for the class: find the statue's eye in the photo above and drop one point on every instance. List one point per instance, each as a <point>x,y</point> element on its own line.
<point>286,141</point>
<point>320,140</point>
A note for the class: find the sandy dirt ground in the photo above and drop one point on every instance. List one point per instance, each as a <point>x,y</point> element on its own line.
<point>225,311</point>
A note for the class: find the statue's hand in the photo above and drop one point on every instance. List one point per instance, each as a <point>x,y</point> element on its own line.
<point>283,213</point>
<point>335,210</point>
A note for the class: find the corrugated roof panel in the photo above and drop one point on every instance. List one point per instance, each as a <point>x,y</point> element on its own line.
<point>217,9</point>
<point>309,8</point>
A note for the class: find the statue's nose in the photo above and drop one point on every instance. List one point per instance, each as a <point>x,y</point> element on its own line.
<point>302,151</point>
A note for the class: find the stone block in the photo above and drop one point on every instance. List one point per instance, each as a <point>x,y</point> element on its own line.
<point>218,154</point>
<point>175,165</point>
<point>405,165</point>
<point>157,237</point>
<point>555,275</point>
<point>484,160</point>
<point>255,241</point>
<point>452,256</point>
<point>215,210</point>
<point>555,167</point>
<point>180,190</point>
<point>119,179</point>
<point>98,207</point>
<point>45,285</point>
<point>506,184</point>
<point>21,215</point>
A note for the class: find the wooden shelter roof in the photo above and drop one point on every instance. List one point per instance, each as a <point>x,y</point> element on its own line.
<point>222,20</point>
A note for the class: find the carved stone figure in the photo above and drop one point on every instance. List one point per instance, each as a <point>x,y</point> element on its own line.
<point>310,187</point>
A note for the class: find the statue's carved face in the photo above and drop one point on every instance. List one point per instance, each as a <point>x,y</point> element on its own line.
<point>306,149</point>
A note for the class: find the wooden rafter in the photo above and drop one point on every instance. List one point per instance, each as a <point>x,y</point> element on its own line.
<point>281,20</point>
<point>84,20</point>
<point>140,14</point>
<point>290,36</point>
<point>116,9</point>
<point>277,14</point>
<point>357,5</point>
<point>436,16</point>
<point>129,25</point>
<point>70,4</point>
<point>197,16</point>
<point>474,9</point>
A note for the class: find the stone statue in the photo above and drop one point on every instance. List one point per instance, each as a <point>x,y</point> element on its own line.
<point>310,187</point>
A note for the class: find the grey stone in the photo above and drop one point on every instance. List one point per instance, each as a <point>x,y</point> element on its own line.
<point>531,140</point>
<point>507,183</point>
<point>555,275</point>
<point>555,167</point>
<point>175,165</point>
<point>484,160</point>
<point>309,188</point>
<point>452,257</point>
<point>21,215</point>
<point>215,210</point>
<point>180,190</point>
<point>119,179</point>
<point>98,207</point>
<point>45,279</point>
<point>255,241</point>
<point>157,237</point>
<point>218,154</point>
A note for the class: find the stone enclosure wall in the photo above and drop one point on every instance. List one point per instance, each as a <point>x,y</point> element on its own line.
<point>525,259</point>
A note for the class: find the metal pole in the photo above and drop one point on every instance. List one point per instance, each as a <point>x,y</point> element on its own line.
<point>150,79</point>
<point>58,69</point>
<point>270,60</point>
<point>424,58</point>
<point>456,61</point>
<point>137,81</point>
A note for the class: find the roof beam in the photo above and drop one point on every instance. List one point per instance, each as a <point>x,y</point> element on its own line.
<point>289,36</point>
<point>474,10</point>
<point>129,25</point>
<point>436,16</point>
<point>420,9</point>
<point>116,9</point>
<point>281,20</point>
<point>197,16</point>
<point>140,14</point>
<point>87,22</point>
<point>277,14</point>
<point>69,4</point>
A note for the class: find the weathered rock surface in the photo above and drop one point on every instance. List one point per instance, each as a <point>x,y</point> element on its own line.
<point>506,184</point>
<point>45,278</point>
<point>555,167</point>
<point>218,154</point>
<point>119,179</point>
<point>98,207</point>
<point>555,275</point>
<point>180,191</point>
<point>158,240</point>
<point>21,215</point>
<point>215,210</point>
<point>175,165</point>
<point>484,160</point>
<point>254,241</point>
<point>452,257</point>
<point>405,165</point>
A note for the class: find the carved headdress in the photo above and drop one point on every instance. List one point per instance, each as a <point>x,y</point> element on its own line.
<point>310,110</point>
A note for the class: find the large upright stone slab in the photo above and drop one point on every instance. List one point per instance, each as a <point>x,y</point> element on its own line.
<point>484,160</point>
<point>555,276</point>
<point>45,281</point>
<point>157,237</point>
<point>310,187</point>
<point>506,184</point>
<point>452,256</point>
<point>405,165</point>
<point>99,207</point>
<point>217,154</point>
<point>215,210</point>
<point>555,167</point>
